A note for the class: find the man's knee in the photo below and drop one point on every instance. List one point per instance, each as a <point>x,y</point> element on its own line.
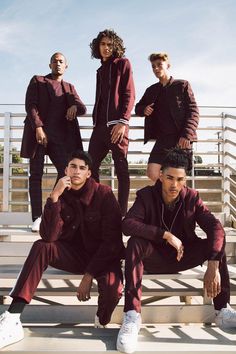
<point>41,246</point>
<point>153,171</point>
<point>136,244</point>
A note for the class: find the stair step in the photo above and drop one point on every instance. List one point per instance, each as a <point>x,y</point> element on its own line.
<point>167,339</point>
<point>171,312</point>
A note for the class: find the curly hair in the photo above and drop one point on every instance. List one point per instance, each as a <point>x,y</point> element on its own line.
<point>178,158</point>
<point>118,44</point>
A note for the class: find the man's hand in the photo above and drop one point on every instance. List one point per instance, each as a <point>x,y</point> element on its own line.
<point>176,243</point>
<point>83,292</point>
<point>71,112</point>
<point>41,137</point>
<point>62,184</point>
<point>212,280</point>
<point>149,109</point>
<point>117,133</point>
<point>184,143</point>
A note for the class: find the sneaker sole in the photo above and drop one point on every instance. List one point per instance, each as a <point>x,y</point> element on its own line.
<point>10,342</point>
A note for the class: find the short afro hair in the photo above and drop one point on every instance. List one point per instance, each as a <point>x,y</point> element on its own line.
<point>178,158</point>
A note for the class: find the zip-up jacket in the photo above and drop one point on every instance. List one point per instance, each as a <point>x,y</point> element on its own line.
<point>121,94</point>
<point>182,107</point>
<point>144,219</point>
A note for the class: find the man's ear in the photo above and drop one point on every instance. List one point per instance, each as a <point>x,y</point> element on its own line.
<point>50,66</point>
<point>89,173</point>
<point>66,171</point>
<point>161,176</point>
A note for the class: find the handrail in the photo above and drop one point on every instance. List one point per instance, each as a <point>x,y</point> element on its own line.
<point>215,176</point>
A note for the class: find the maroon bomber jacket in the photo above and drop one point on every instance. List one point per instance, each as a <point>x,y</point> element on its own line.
<point>182,106</point>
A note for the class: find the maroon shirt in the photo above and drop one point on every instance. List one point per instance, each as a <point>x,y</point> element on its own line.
<point>164,120</point>
<point>104,93</point>
<point>55,126</point>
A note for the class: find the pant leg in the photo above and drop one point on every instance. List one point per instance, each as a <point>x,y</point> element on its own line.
<point>60,255</point>
<point>35,182</point>
<point>119,155</point>
<point>223,298</point>
<point>58,155</point>
<point>110,286</point>
<point>98,149</point>
<point>142,255</point>
<point>137,249</point>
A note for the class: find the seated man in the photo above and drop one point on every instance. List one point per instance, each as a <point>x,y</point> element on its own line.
<point>161,224</point>
<point>81,234</point>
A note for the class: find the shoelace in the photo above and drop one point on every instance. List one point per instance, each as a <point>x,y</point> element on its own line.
<point>2,318</point>
<point>229,314</point>
<point>128,324</point>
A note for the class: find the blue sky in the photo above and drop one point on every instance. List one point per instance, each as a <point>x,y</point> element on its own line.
<point>199,36</point>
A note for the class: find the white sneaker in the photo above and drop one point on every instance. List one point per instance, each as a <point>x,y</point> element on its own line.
<point>226,318</point>
<point>11,330</point>
<point>97,324</point>
<point>128,335</point>
<point>36,224</point>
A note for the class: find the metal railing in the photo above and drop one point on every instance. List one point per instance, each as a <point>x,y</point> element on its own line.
<point>213,173</point>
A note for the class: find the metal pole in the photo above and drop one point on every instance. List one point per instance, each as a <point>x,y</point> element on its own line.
<point>6,161</point>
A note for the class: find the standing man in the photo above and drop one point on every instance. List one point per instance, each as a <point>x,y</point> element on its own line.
<point>114,102</point>
<point>171,114</point>
<point>81,234</point>
<point>51,127</point>
<point>161,225</point>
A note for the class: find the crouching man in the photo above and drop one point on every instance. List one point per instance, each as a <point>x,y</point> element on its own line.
<point>162,224</point>
<point>81,234</point>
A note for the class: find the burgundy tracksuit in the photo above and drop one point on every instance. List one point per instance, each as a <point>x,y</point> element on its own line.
<point>146,223</point>
<point>115,95</point>
<point>80,233</point>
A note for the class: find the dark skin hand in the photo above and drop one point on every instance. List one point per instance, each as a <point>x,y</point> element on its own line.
<point>83,291</point>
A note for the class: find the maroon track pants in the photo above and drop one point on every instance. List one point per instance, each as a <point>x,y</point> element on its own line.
<point>69,258</point>
<point>142,255</point>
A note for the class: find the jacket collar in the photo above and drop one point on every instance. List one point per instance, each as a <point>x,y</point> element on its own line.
<point>170,82</point>
<point>84,195</point>
<point>89,189</point>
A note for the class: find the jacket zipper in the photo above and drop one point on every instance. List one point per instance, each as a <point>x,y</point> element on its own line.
<point>97,101</point>
<point>109,94</point>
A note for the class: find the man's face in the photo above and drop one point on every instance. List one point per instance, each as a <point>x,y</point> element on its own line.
<point>58,65</point>
<point>173,180</point>
<point>78,172</point>
<point>160,68</point>
<point>105,48</point>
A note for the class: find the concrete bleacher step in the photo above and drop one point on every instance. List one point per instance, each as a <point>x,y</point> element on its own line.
<point>85,313</point>
<point>161,339</point>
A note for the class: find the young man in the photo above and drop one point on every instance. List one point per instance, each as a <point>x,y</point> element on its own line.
<point>81,234</point>
<point>161,224</point>
<point>51,127</point>
<point>171,114</point>
<point>114,102</point>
